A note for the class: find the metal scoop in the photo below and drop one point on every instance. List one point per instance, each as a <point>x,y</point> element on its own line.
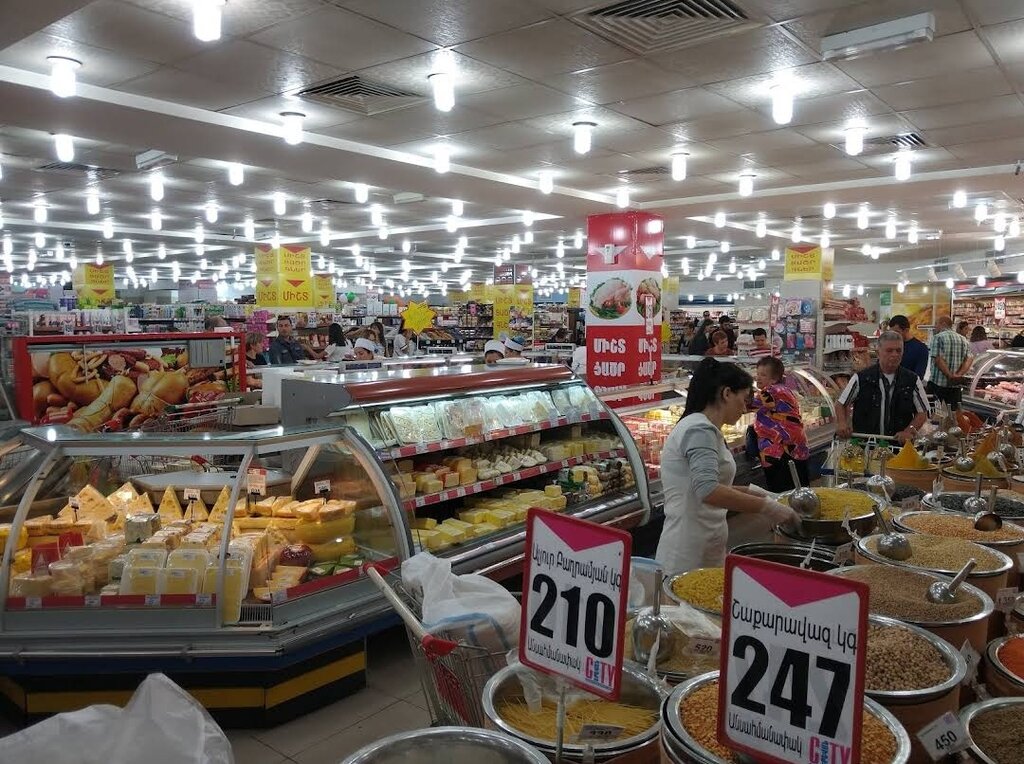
<point>881,484</point>
<point>804,501</point>
<point>893,545</point>
<point>963,462</point>
<point>942,593</point>
<point>975,504</point>
<point>987,519</point>
<point>653,631</point>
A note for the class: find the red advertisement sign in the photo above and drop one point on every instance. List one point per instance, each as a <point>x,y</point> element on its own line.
<point>623,300</point>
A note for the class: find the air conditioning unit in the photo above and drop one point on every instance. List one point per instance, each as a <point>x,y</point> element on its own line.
<point>889,35</point>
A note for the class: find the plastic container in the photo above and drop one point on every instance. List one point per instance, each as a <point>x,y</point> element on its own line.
<point>679,747</point>
<point>1001,682</point>
<point>442,745</point>
<point>916,709</point>
<point>637,689</point>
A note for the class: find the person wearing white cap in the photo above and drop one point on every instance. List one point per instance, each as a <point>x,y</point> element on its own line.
<point>494,351</point>
<point>513,349</point>
<point>364,349</point>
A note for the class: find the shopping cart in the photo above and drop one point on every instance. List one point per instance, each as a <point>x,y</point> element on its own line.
<point>452,673</point>
<point>207,416</point>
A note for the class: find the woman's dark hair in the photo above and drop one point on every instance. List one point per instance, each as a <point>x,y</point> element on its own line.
<point>978,334</point>
<point>710,379</point>
<point>336,335</point>
<point>776,368</point>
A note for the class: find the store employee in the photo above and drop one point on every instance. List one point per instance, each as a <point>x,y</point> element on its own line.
<point>364,350</point>
<point>886,399</point>
<point>494,351</point>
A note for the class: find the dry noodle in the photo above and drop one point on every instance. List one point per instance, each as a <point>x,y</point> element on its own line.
<point>541,725</point>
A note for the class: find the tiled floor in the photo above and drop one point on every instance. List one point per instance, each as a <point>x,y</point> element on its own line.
<point>392,702</point>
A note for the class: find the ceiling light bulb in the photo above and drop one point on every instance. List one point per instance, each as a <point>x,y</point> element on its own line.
<point>712,258</point>
<point>860,290</point>
<point>980,212</point>
<point>950,283</point>
<point>361,192</point>
<point>999,243</point>
<point>92,203</point>
<point>577,240</point>
<point>280,203</point>
<point>980,281</point>
<point>451,224</point>
<point>64,145</point>
<point>275,239</point>
<point>249,228</point>
<point>796,235</point>
<point>516,245</point>
<point>865,249</point>
<point>679,165</point>
<point>528,218</point>
<point>760,228</point>
<point>862,217</point>
<point>40,212</point>
<point>732,265</point>
<point>156,186</point>
<point>206,19</point>
<point>199,233</point>
<point>107,228</point>
<point>890,228</point>
<point>212,212</point>
<point>458,207</point>
<point>325,234</point>
<point>1020,277</point>
<point>560,250</point>
<point>291,127</point>
<point>443,86</point>
<point>58,251</point>
<point>161,251</point>
<point>582,136</point>
<point>406,245</point>
<point>307,221</point>
<point>199,249</point>
<point>528,237</point>
<point>725,247</point>
<point>901,165</point>
<point>826,240</point>
<point>782,102</point>
<point>99,256</point>
<point>999,222</point>
<point>383,233</point>
<point>236,174</point>
<point>747,183</point>
<point>912,235</point>
<point>463,242</point>
<point>622,197</point>
<point>63,77</point>
<point>685,265</point>
<point>959,198</point>
<point>1013,230</point>
<point>855,139</point>
<point>828,210</point>
<point>442,159</point>
<point>40,239</point>
<point>546,181</point>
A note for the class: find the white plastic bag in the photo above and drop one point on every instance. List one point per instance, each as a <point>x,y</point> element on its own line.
<point>470,609</point>
<point>162,724</point>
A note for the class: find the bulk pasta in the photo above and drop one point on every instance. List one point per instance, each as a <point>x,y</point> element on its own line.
<point>541,725</point>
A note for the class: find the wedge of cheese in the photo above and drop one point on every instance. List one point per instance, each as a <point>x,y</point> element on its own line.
<point>197,511</point>
<point>170,507</point>
<point>220,507</point>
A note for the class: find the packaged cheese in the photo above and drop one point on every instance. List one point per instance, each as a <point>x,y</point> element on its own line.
<point>429,540</point>
<point>231,602</point>
<point>154,558</point>
<point>451,480</point>
<point>191,559</point>
<point>140,580</point>
<point>178,581</point>
<point>31,585</point>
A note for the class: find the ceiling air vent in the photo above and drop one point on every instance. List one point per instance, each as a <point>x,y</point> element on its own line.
<point>646,172</point>
<point>888,143</point>
<point>353,93</point>
<point>74,168</point>
<point>658,26</point>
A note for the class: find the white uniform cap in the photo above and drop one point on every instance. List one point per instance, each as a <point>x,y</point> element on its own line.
<point>513,346</point>
<point>366,344</point>
<point>495,346</point>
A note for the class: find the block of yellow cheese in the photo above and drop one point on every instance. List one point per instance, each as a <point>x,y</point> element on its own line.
<point>553,490</point>
<point>500,517</point>
<point>424,523</point>
<point>178,581</point>
<point>473,516</point>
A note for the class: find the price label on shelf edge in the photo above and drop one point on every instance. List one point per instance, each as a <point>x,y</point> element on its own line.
<point>321,486</point>
<point>256,481</point>
<point>574,601</point>
<point>192,494</point>
<point>792,663</point>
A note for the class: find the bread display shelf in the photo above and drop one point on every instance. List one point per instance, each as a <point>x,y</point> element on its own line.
<point>509,477</point>
<point>402,452</point>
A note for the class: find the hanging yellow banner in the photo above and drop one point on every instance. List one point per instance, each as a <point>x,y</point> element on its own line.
<point>323,288</point>
<point>804,263</point>
<point>513,310</point>
<point>94,282</point>
<point>575,299</point>
<point>268,293</point>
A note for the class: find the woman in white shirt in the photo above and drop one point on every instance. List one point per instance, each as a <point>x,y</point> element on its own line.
<point>365,349</point>
<point>339,348</point>
<point>697,470</point>
<point>404,342</point>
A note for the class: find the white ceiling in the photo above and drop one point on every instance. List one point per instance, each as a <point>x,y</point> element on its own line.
<point>526,70</point>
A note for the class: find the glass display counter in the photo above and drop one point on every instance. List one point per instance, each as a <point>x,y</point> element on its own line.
<point>996,382</point>
<point>469,449</point>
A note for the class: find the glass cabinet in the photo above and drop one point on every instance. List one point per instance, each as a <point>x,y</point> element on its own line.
<point>996,382</point>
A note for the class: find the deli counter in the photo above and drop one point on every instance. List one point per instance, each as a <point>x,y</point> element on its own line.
<point>996,383</point>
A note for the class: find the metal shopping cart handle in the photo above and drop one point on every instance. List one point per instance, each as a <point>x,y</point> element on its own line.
<point>435,647</point>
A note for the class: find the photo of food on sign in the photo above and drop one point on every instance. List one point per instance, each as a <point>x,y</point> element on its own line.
<point>113,389</point>
<point>651,287</point>
<point>612,299</point>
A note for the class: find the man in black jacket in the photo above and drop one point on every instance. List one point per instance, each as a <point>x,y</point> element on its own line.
<point>884,399</point>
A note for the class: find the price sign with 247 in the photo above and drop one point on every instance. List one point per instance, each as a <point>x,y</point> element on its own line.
<point>792,663</point>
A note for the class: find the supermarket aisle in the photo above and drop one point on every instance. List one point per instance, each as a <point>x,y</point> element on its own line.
<point>392,702</point>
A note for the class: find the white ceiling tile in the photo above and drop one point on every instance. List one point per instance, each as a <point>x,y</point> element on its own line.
<point>989,152</point>
<point>949,18</point>
<point>522,101</point>
<point>924,160</point>
<point>1007,41</point>
<point>318,115</point>
<point>953,87</point>
<point>431,121</point>
<point>782,10</point>
<point>739,122</point>
<point>240,17</point>
<point>750,53</point>
<point>828,169</point>
<point>953,53</point>
<point>239,63</point>
<point>374,131</point>
<point>676,106</point>
<point>569,6</point>
<point>99,66</point>
<point>989,131</point>
<point>1016,73</point>
<point>450,22</point>
<point>812,81</point>
<point>550,47</point>
<point>755,142</point>
<point>342,39</point>
<point>190,89</point>
<point>618,82</point>
<point>503,137</point>
<point>130,31</point>
<point>782,157</point>
<point>859,105</point>
<point>642,140</point>
<point>967,113</point>
<point>411,74</point>
<point>995,11</point>
<point>608,122</point>
<point>834,132</point>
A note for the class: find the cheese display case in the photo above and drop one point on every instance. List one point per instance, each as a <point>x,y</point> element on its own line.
<point>996,382</point>
<point>650,412</point>
<point>469,449</point>
<point>241,554</point>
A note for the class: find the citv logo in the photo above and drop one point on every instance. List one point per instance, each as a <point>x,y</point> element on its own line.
<point>824,751</point>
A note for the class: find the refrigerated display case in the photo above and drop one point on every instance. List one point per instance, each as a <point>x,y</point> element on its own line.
<point>996,382</point>
<point>469,449</point>
<point>233,562</point>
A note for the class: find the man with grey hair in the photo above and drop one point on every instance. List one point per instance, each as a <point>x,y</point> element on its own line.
<point>884,399</point>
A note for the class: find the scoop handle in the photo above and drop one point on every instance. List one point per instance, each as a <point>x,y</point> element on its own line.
<point>881,518</point>
<point>793,474</point>
<point>964,572</point>
<point>659,578</point>
<point>977,485</point>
